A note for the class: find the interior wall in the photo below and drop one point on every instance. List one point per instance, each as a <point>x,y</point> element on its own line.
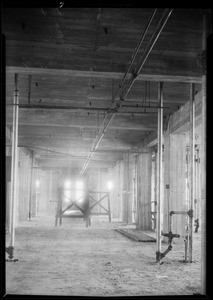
<point>154,188</point>
<point>48,192</point>
<point>115,176</point>
<point>8,186</point>
<point>175,187</point>
<point>24,176</point>
<point>127,190</point>
<point>144,167</point>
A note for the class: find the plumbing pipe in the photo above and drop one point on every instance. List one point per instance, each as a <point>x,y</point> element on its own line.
<point>159,169</point>
<point>122,82</point>
<point>134,55</point>
<point>192,155</point>
<point>186,248</point>
<point>31,188</point>
<point>153,39</point>
<point>203,159</point>
<point>14,165</point>
<point>147,51</point>
<point>151,44</point>
<point>138,47</point>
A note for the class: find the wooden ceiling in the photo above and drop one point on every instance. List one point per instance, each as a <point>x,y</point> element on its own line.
<point>70,62</point>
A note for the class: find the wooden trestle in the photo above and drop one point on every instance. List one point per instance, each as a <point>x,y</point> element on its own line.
<point>83,212</point>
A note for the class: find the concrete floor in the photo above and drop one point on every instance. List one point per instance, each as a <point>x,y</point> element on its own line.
<point>95,261</point>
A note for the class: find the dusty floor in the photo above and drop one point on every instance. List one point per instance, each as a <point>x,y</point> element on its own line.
<point>95,261</point>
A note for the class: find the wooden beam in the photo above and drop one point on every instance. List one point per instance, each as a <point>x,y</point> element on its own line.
<point>180,121</point>
<point>140,127</point>
<point>95,74</point>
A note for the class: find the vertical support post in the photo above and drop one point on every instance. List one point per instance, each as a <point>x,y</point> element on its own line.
<point>156,189</point>
<point>109,210</point>
<point>31,188</point>
<point>196,217</point>
<point>198,186</point>
<point>14,166</point>
<point>58,208</point>
<point>127,193</point>
<point>135,192</point>
<point>192,163</point>
<point>36,192</point>
<point>60,205</point>
<point>99,189</point>
<point>203,162</point>
<point>159,168</point>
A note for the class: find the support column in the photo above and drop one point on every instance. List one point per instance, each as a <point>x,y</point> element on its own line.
<point>159,178</point>
<point>99,189</point>
<point>14,166</point>
<point>203,162</point>
<point>166,182</point>
<point>31,187</point>
<point>126,216</point>
<point>192,162</point>
<point>136,190</point>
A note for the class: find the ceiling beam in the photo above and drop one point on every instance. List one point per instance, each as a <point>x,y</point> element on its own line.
<point>116,127</point>
<point>75,108</point>
<point>95,74</point>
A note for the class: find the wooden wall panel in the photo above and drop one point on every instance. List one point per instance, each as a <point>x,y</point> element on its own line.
<point>127,190</point>
<point>144,191</point>
<point>23,185</point>
<point>177,199</point>
<point>166,173</point>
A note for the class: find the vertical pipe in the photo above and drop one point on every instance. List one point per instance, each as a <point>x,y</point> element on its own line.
<point>137,191</point>
<point>128,188</point>
<point>192,156</point>
<point>36,192</point>
<point>99,189</point>
<point>156,190</point>
<point>203,163</point>
<point>109,210</point>
<point>50,190</point>
<point>159,179</point>
<point>14,167</point>
<point>196,185</point>
<point>31,188</point>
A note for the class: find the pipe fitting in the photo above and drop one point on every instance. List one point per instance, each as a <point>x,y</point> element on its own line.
<point>190,213</point>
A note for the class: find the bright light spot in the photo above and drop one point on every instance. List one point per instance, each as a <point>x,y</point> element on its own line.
<point>79,185</point>
<point>79,191</point>
<point>67,184</point>
<point>110,185</point>
<point>37,183</point>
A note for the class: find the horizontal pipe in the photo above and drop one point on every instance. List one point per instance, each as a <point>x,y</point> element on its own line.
<point>134,55</point>
<point>151,43</point>
<point>138,46</point>
<point>153,39</point>
<point>179,212</point>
